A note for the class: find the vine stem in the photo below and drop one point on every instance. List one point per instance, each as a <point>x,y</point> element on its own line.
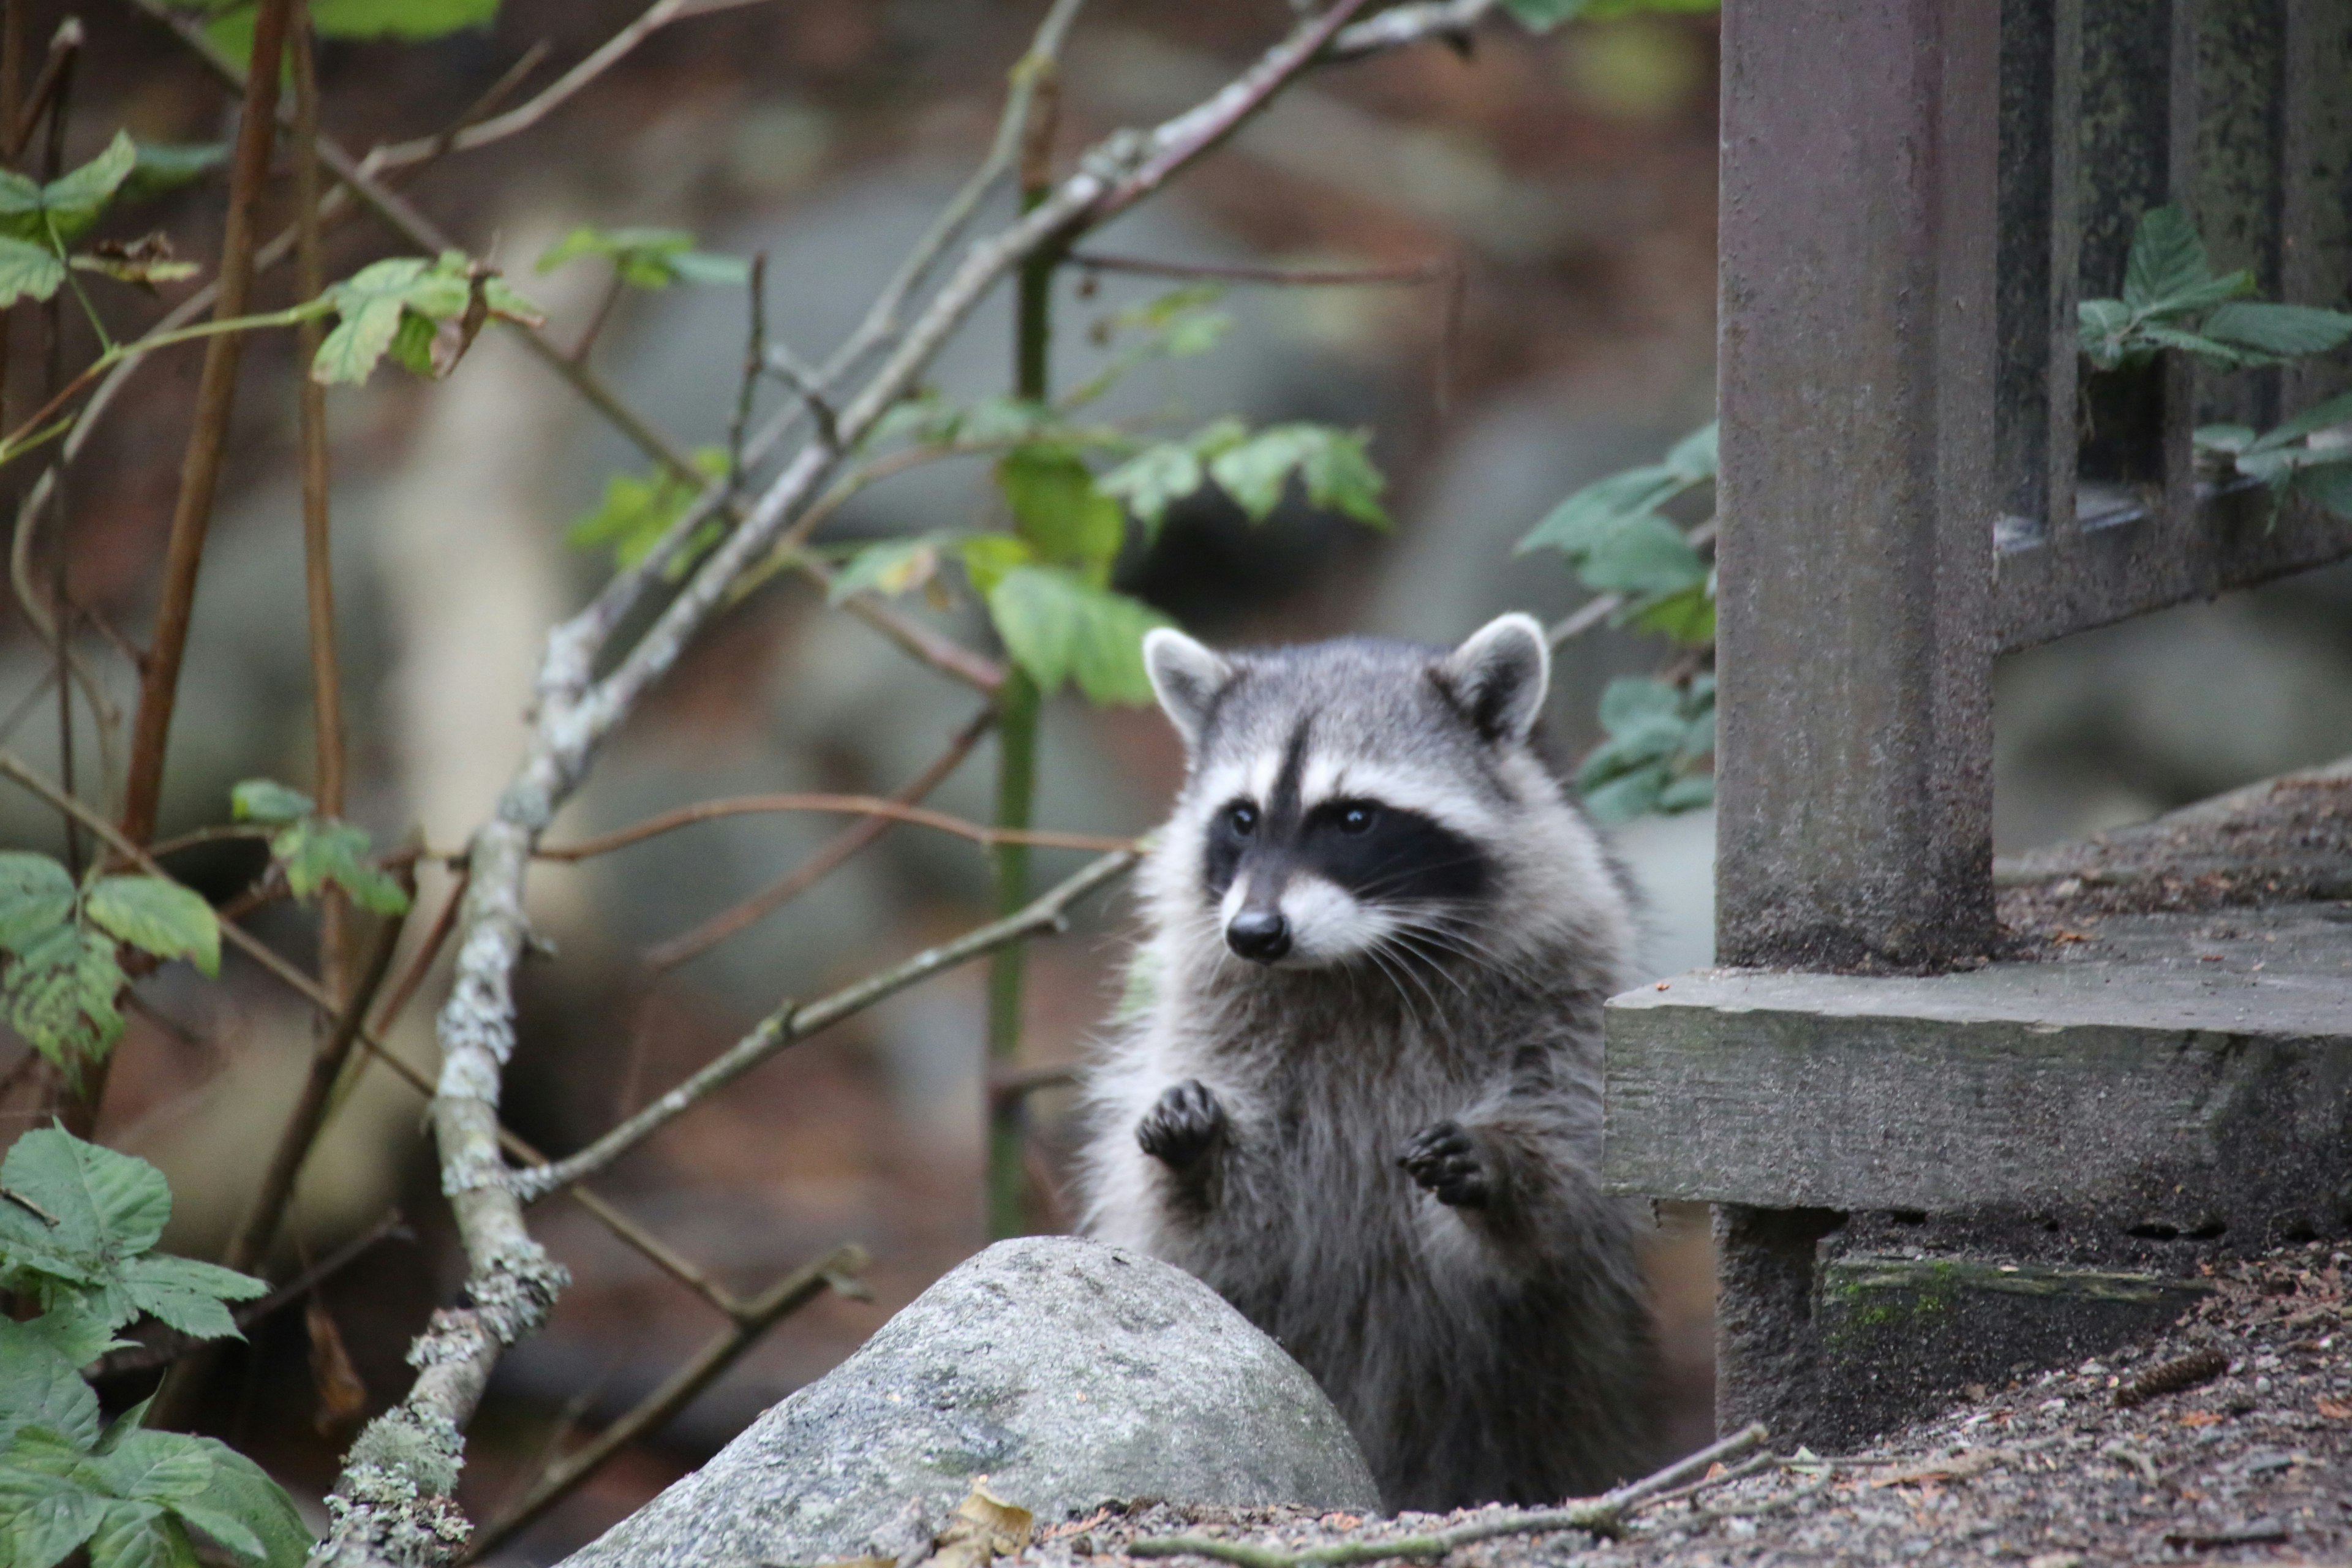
<point>200,469</point>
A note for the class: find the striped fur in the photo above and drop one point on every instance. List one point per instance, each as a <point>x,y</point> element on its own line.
<point>1448,926</point>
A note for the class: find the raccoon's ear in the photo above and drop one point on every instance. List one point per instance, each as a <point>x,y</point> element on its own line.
<point>1186,676</point>
<point>1498,676</point>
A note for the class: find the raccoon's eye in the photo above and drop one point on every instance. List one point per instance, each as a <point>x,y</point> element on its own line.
<point>1357,819</point>
<point>1242,818</point>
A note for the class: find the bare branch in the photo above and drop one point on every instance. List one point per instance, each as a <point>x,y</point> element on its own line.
<point>835,852</point>
<point>859,804</point>
<point>791,1024</point>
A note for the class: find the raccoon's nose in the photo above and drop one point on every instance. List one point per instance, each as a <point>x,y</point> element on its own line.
<point>1260,934</point>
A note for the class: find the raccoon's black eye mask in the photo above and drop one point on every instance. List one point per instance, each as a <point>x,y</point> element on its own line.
<point>1379,853</point>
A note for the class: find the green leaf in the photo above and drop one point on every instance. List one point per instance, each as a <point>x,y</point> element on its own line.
<point>187,1294</point>
<point>2288,331</point>
<point>889,568</point>
<point>241,1489</point>
<point>1589,514</point>
<point>318,850</point>
<point>1693,458</point>
<point>1059,509</point>
<point>373,304</point>
<point>75,1335</point>
<point>2211,351</point>
<point>39,1387</point>
<point>28,271</point>
<point>103,1203</point>
<point>2225,438</point>
<point>43,1521</point>
<point>638,511</point>
<point>2336,410</point>
<point>267,801</point>
<point>2330,487</point>
<point>159,917</point>
<point>1627,796</point>
<point>1687,617</point>
<point>73,200</point>
<point>139,1535</point>
<point>156,1466</point>
<point>1692,792</point>
<point>648,258</point>
<point>1642,556</point>
<point>59,995</point>
<point>162,167</point>
<point>1058,626</point>
<point>1332,466</point>
<point>987,557</point>
<point>2167,260</point>
<point>1155,479</point>
<point>36,897</point>
<point>2104,327</point>
<point>409,19</point>
<point>1632,702</point>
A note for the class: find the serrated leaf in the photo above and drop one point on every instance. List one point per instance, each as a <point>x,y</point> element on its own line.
<point>2336,410</point>
<point>638,511</point>
<point>1588,515</point>
<point>74,1335</point>
<point>59,995</point>
<point>139,1535</point>
<point>890,567</point>
<point>103,1203</point>
<point>73,201</point>
<point>28,271</point>
<point>2285,331</point>
<point>2211,351</point>
<point>1059,627</point>
<point>1154,480</point>
<point>37,895</point>
<point>2166,259</point>
<point>1332,466</point>
<point>187,1294</point>
<point>159,917</point>
<point>1641,556</point>
<point>157,1467</point>
<point>40,1522</point>
<point>318,850</point>
<point>267,801</point>
<point>1059,509</point>
<point>39,1387</point>
<point>241,1488</point>
<point>352,352</point>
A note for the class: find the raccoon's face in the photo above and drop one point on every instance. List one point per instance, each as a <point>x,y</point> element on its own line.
<point>1345,798</point>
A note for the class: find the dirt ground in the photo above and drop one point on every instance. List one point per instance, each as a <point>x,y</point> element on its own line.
<point>2252,1465</point>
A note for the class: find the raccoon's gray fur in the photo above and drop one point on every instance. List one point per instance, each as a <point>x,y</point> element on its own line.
<point>1362,1098</point>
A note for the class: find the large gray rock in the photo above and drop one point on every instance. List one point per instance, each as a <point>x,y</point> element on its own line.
<point>1067,1372</point>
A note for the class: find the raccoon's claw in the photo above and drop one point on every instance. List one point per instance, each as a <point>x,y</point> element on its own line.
<point>1443,1159</point>
<point>1181,1129</point>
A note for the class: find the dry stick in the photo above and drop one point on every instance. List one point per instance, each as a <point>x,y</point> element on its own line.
<point>835,852</point>
<point>54,92</point>
<point>258,1226</point>
<point>55,82</point>
<point>793,1022</point>
<point>208,435</point>
<point>859,805</point>
<point>787,1296</point>
<point>1603,1516</point>
<point>317,568</point>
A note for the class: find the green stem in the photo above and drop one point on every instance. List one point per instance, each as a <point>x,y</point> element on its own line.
<point>1016,735</point>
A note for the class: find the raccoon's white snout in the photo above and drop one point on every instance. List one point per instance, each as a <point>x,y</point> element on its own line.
<point>1307,923</point>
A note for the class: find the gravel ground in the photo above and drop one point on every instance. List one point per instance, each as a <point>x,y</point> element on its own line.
<point>2252,1465</point>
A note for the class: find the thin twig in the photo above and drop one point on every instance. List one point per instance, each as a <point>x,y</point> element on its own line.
<point>1603,1516</point>
<point>859,804</point>
<point>755,358</point>
<point>208,433</point>
<point>833,853</point>
<point>773,1305</point>
<point>791,1024</point>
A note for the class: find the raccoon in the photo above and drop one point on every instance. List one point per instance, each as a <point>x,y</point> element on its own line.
<point>1360,1093</point>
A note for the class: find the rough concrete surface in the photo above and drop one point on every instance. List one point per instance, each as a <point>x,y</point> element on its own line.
<point>1065,1371</point>
<point>2253,1465</point>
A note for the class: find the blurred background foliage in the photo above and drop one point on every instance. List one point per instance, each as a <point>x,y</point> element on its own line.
<point>1567,181</point>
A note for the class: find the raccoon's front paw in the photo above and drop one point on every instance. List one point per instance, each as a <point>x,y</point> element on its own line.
<point>1443,1159</point>
<point>1183,1126</point>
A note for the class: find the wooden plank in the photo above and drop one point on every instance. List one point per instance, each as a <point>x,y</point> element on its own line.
<point>2181,1093</point>
<point>1858,231</point>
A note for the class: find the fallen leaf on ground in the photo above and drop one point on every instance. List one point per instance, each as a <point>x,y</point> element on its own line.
<point>2201,1418</point>
<point>2335,1410</point>
<point>984,1526</point>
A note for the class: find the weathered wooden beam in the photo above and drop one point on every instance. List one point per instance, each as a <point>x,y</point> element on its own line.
<point>1858,232</point>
